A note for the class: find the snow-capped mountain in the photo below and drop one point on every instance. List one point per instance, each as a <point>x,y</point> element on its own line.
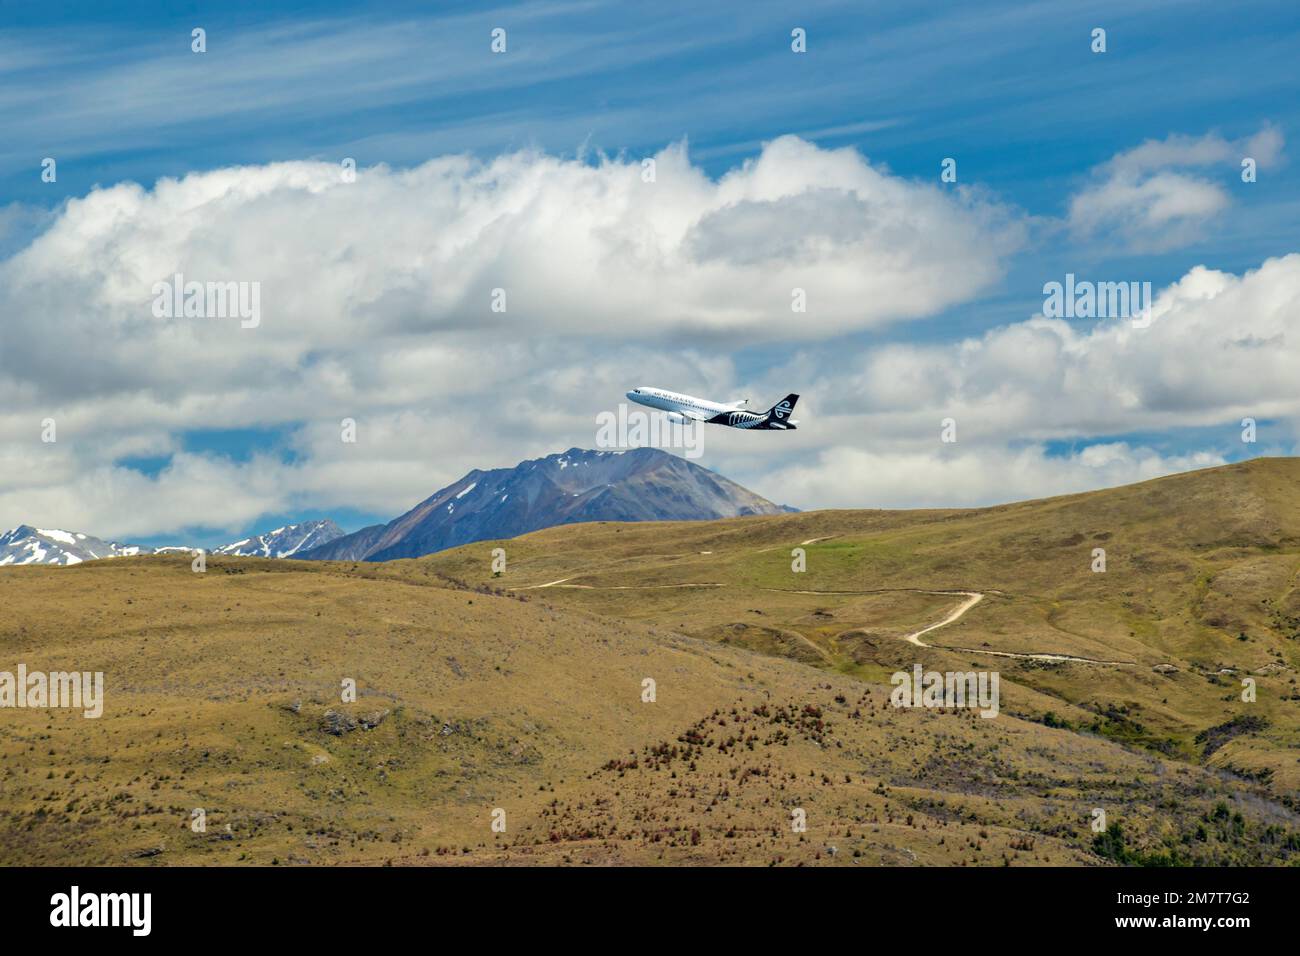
<point>644,484</point>
<point>285,542</point>
<point>28,545</point>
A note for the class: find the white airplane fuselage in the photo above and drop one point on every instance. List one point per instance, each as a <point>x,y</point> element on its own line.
<point>676,402</point>
<point>684,409</point>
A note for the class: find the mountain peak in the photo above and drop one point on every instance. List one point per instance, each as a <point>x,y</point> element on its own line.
<point>285,542</point>
<point>574,454</point>
<point>567,487</point>
<point>26,544</point>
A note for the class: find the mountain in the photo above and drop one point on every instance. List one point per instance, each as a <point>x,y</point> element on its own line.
<point>350,547</point>
<point>285,542</point>
<point>643,484</point>
<point>28,545</point>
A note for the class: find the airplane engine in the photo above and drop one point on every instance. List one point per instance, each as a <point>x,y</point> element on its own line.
<point>677,418</point>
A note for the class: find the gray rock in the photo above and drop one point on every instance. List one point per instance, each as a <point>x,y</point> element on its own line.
<point>337,723</point>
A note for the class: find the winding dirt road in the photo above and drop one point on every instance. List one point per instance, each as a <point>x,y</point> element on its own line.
<point>609,587</point>
<point>972,598</point>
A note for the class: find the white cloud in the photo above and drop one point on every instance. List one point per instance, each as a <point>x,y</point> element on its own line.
<point>117,502</point>
<point>578,248</point>
<point>1219,348</point>
<point>423,418</point>
<point>1146,198</point>
<point>861,478</point>
<point>375,305</point>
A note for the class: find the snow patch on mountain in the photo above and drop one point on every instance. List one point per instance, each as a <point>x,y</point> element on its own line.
<point>285,542</point>
<point>27,545</point>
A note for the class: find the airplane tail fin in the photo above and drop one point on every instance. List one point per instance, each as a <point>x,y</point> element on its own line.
<point>779,414</point>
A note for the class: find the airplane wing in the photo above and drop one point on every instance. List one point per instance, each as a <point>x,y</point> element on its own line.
<point>689,413</point>
<point>740,403</point>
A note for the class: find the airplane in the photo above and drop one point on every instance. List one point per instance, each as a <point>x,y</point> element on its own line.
<point>684,409</point>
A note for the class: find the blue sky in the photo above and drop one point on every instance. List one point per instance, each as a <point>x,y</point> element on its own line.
<point>1013,92</point>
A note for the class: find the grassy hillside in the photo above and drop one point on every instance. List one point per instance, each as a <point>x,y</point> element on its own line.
<point>223,693</point>
<point>1199,592</point>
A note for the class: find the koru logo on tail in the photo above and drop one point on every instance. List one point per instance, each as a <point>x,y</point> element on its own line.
<point>782,409</point>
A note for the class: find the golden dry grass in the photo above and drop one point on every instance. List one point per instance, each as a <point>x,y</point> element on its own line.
<point>219,688</point>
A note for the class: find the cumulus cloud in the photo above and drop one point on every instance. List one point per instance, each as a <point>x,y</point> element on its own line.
<point>376,303</point>
<point>424,416</point>
<point>118,502</point>
<point>578,248</point>
<point>863,478</point>
<point>1149,198</point>
<point>1219,348</point>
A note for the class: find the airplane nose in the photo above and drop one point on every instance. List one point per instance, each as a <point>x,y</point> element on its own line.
<point>632,394</point>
